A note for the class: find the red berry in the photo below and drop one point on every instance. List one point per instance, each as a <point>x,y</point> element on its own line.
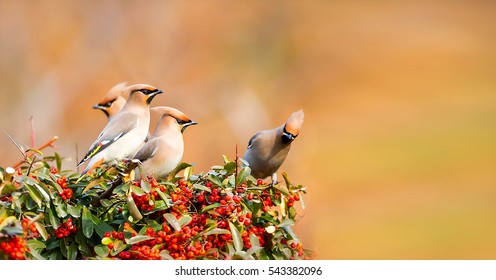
<point>260,182</point>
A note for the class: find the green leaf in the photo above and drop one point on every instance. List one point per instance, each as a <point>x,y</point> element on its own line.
<point>119,246</point>
<point>282,189</point>
<point>292,213</point>
<point>93,184</point>
<point>7,189</point>
<point>52,217</point>
<point>217,231</point>
<point>100,226</point>
<point>184,220</point>
<point>201,188</point>
<point>58,160</point>
<point>164,198</point>
<point>230,167</point>
<point>34,151</point>
<point>61,210</point>
<point>230,249</point>
<point>225,159</point>
<point>137,190</point>
<point>214,179</point>
<point>83,244</point>
<point>164,255</point>
<point>243,174</point>
<point>74,211</point>
<point>253,250</point>
<point>254,240</point>
<point>88,225</point>
<point>286,223</point>
<point>63,247</point>
<point>138,239</point>
<point>36,244</point>
<point>210,207</point>
<point>102,250</point>
<point>35,255</point>
<point>107,240</point>
<point>35,194</point>
<point>42,230</point>
<point>179,168</point>
<point>236,236</point>
<point>172,221</point>
<point>72,251</point>
<point>145,186</point>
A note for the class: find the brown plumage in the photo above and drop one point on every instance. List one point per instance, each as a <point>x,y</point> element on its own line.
<point>113,101</point>
<point>268,149</point>
<point>125,132</point>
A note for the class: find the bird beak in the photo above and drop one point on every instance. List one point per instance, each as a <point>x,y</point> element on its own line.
<point>98,106</point>
<point>288,137</point>
<point>152,95</point>
<point>187,124</point>
<point>103,108</point>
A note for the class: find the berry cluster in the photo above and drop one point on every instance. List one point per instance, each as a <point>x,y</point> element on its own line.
<point>292,199</point>
<point>29,228</point>
<point>65,229</point>
<point>14,248</point>
<point>66,193</point>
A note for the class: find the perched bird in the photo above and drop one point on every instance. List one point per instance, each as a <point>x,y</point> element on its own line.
<point>125,133</point>
<point>268,149</point>
<point>164,150</point>
<point>113,101</point>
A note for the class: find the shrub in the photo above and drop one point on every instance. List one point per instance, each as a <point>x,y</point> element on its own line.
<point>225,213</point>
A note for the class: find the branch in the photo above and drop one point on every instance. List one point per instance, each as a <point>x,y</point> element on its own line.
<point>29,154</point>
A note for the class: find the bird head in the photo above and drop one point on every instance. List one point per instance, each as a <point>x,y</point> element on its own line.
<point>181,120</point>
<point>292,127</point>
<point>113,101</point>
<point>142,92</point>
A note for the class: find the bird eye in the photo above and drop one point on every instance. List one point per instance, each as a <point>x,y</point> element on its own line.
<point>181,122</point>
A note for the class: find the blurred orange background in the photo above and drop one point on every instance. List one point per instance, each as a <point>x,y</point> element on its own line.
<point>398,146</point>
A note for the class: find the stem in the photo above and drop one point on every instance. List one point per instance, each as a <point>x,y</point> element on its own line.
<point>29,154</point>
<point>31,121</point>
<point>236,170</point>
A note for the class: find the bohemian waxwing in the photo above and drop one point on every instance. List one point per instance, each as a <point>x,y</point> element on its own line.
<point>113,101</point>
<point>126,131</point>
<point>164,150</point>
<point>268,149</point>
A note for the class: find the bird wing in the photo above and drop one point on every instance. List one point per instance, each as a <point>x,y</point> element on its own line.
<point>252,140</point>
<point>114,130</point>
<point>148,150</point>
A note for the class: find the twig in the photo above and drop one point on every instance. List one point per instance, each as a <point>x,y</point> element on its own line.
<point>130,167</point>
<point>31,165</point>
<point>29,154</point>
<point>31,121</point>
<point>97,200</point>
<point>236,170</point>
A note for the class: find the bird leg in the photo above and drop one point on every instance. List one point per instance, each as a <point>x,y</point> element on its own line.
<point>274,179</point>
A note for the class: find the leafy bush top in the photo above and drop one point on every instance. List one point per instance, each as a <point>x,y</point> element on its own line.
<point>224,213</point>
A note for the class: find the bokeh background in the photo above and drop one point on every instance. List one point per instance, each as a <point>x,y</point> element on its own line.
<point>398,146</point>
